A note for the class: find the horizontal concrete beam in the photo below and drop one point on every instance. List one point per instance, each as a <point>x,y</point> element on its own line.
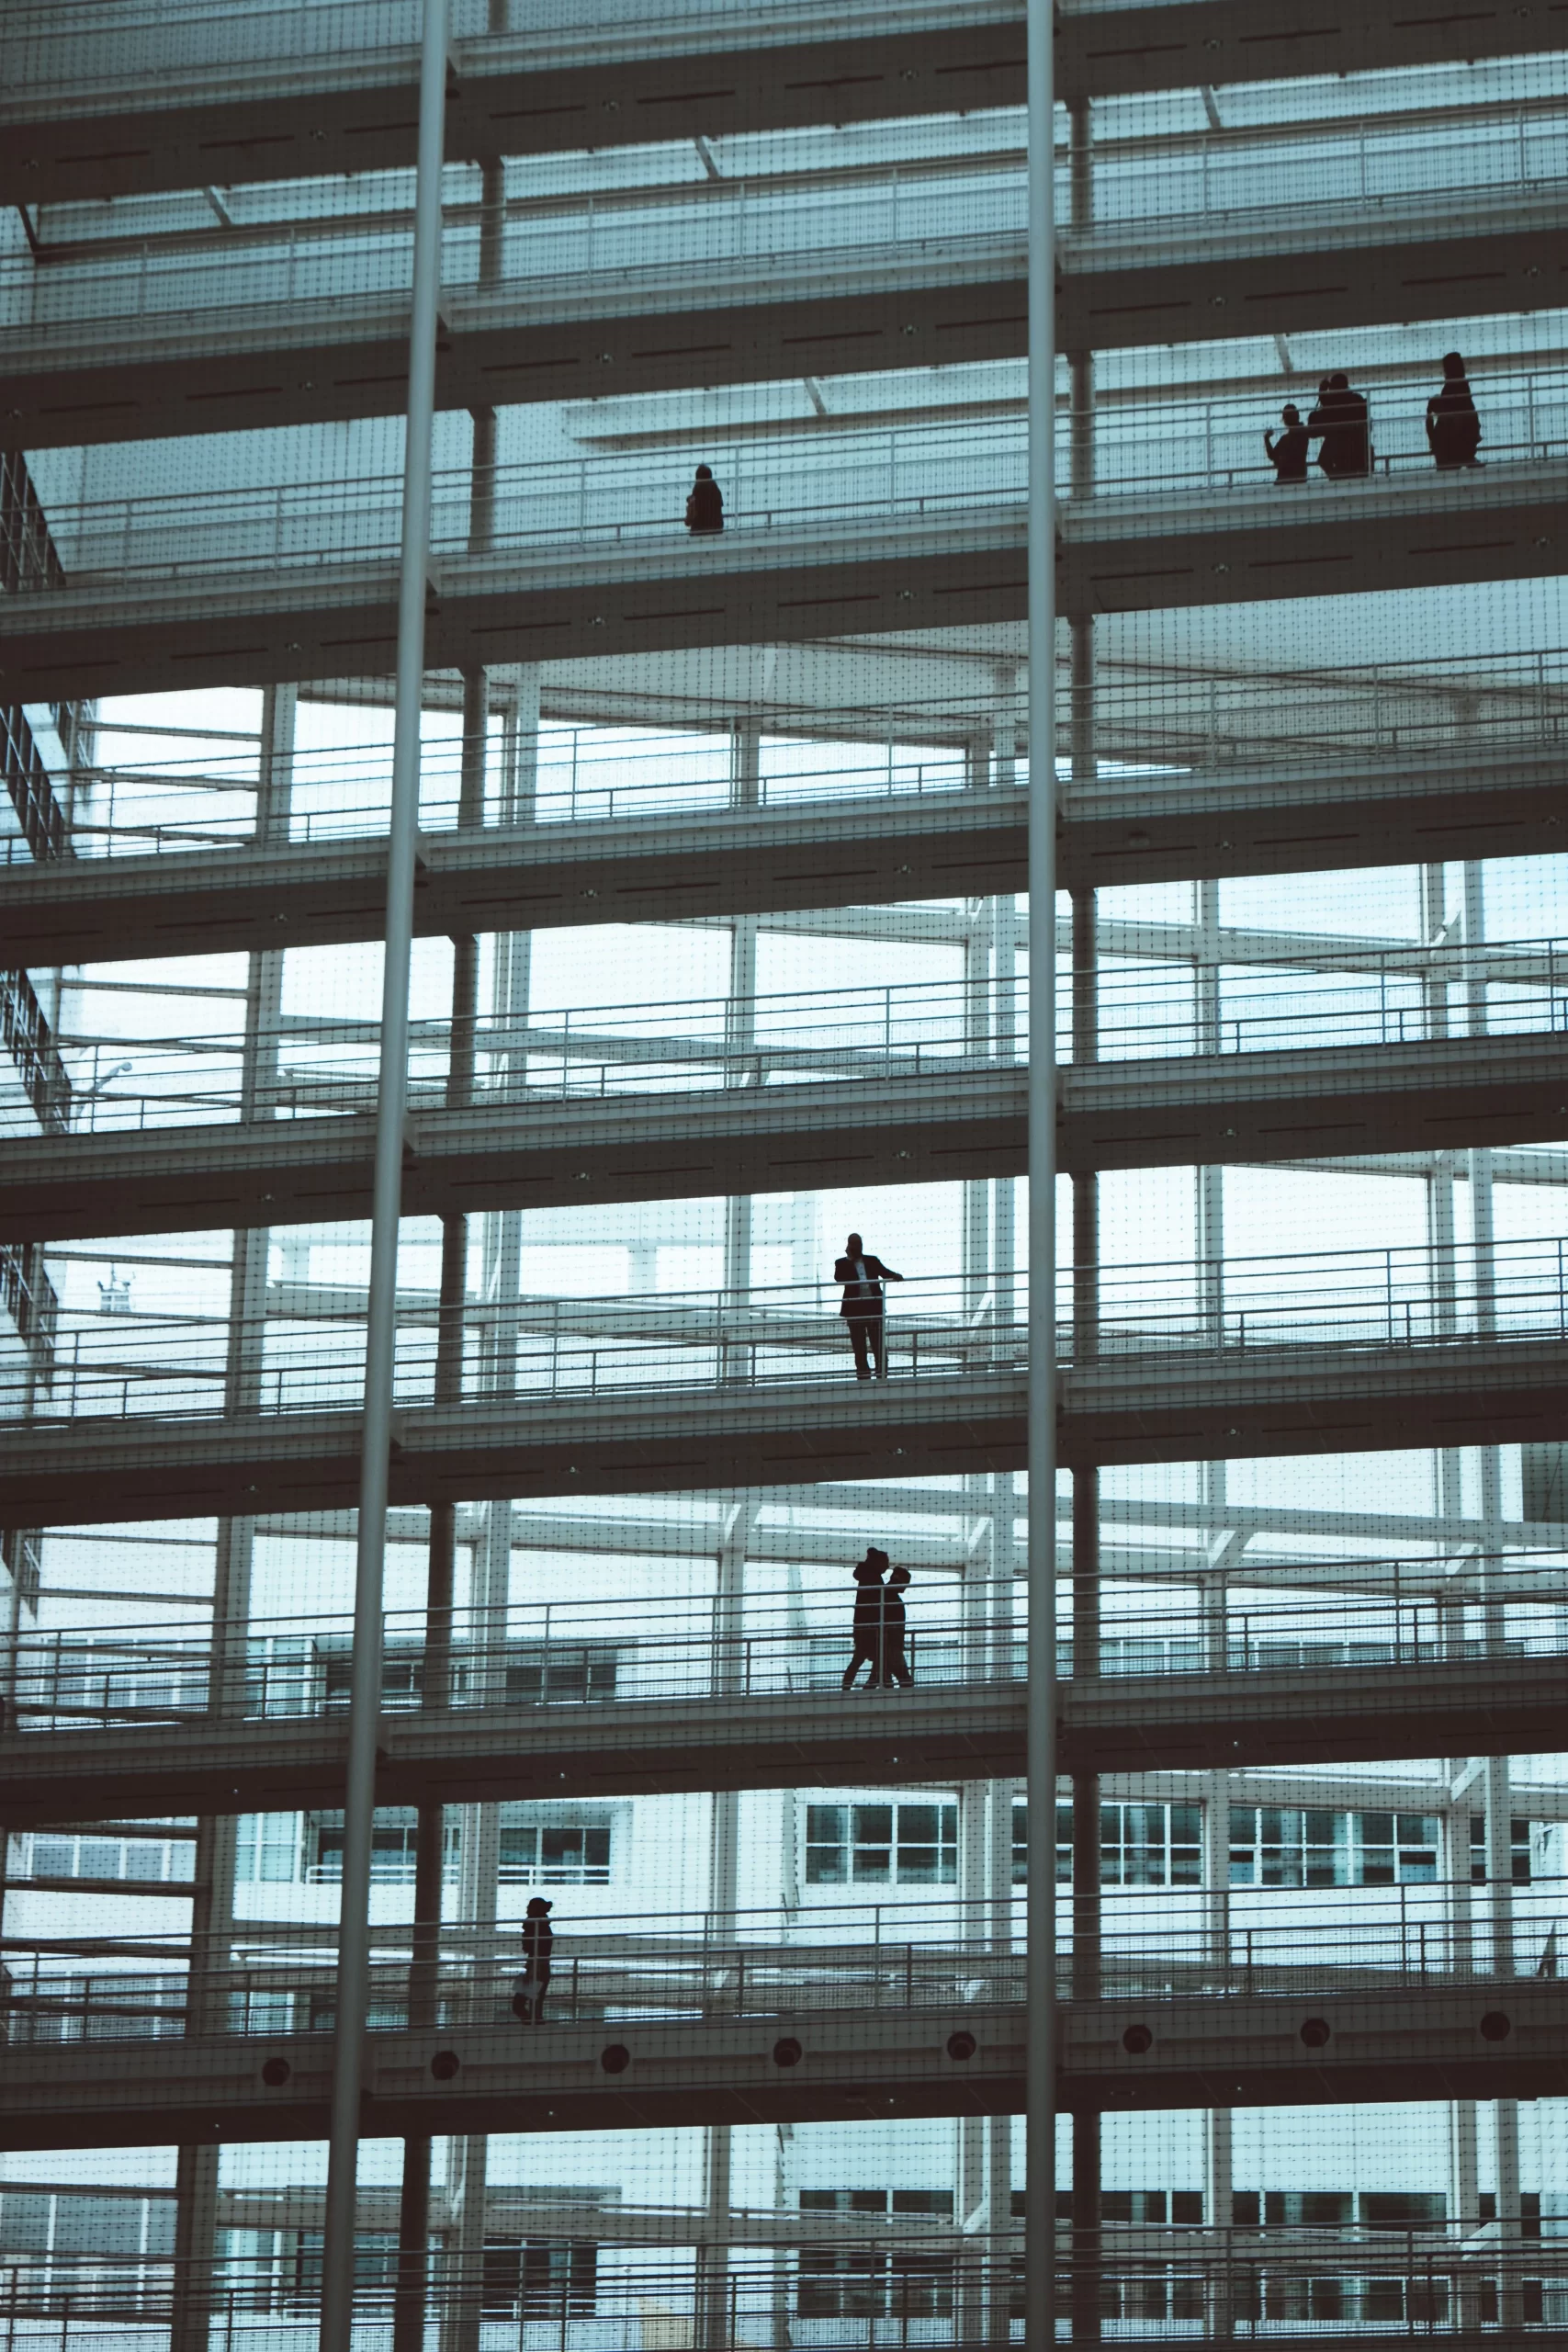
<point>1438,1094</point>
<point>73,130</point>
<point>1404,808</point>
<point>787,583</point>
<point>1416,2040</point>
<point>826,313</point>
<point>935,1733</point>
<point>660,868</point>
<point>1174,1406</point>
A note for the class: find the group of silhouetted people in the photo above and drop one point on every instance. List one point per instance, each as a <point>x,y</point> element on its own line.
<point>880,1624</point>
<point>1341,425</point>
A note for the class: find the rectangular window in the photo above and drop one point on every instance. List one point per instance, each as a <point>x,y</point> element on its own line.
<point>268,1849</point>
<point>1284,1845</point>
<point>403,1675</point>
<point>569,1852</point>
<point>871,2281</point>
<point>913,1844</point>
<point>394,1843</point>
<point>1140,1845</point>
<point>88,1854</point>
<point>1402,2208</point>
<point>375,2261</point>
<point>1519,1843</point>
<point>560,1675</point>
<point>540,2279</point>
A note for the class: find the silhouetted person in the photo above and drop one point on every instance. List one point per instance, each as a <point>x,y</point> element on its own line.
<point>1342,423</point>
<point>538,1942</point>
<point>705,502</point>
<point>869,1628</point>
<point>1289,454</point>
<point>895,1665</point>
<point>862,1277</point>
<point>1453,428</point>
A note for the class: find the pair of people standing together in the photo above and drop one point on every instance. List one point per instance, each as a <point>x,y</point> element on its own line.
<point>880,1624</point>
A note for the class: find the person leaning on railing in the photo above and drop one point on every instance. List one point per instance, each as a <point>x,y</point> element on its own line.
<point>1288,456</point>
<point>1342,422</point>
<point>704,504</point>
<point>862,1276</point>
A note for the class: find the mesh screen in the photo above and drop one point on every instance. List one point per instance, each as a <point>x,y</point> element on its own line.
<point>699,1867</point>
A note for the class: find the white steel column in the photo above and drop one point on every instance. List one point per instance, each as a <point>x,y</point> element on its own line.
<point>212,1908</point>
<point>380,1340</point>
<point>741,1030</point>
<point>1040,2200</point>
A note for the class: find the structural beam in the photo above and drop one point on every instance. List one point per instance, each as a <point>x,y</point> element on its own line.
<point>1419,2040</point>
<point>964,1122</point>
<point>78,128</point>
<point>936,1733</point>
<point>1314,267</point>
<point>780,583</point>
<point>1401,808</point>
<point>654,869</point>
<point>1170,1406</point>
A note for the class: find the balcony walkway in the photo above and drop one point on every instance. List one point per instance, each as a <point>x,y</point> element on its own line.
<point>941,2040</point>
<point>218,362</point>
<point>184,111</point>
<point>145,1759</point>
<point>1406,806</point>
<point>168,617</point>
<point>658,1428</point>
<point>965,1118</point>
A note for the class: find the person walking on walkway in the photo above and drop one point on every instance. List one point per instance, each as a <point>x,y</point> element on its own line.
<point>861,1305</point>
<point>896,1667</point>
<point>538,1942</point>
<point>1453,428</point>
<point>1288,456</point>
<point>1342,422</point>
<point>869,1628</point>
<point>705,502</point>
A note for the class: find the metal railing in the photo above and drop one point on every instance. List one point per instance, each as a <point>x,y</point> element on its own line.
<point>889,2290</point>
<point>1279,1310</point>
<point>319,1065</point>
<point>1151,729</point>
<point>783,1645</point>
<point>1154,1945</point>
<point>951,476</point>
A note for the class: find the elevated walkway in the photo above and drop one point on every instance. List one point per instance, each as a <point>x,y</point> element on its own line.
<point>941,2040</point>
<point>966,1118</point>
<point>650,1432</point>
<point>228,363</point>
<point>766,580</point>
<point>195,103</point>
<point>146,1760</point>
<point>1405,807</point>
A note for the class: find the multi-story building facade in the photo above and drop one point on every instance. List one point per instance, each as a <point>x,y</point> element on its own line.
<point>721,954</point>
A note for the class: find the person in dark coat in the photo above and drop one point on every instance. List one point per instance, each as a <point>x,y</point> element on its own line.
<point>869,1628</point>
<point>861,1306</point>
<point>1289,454</point>
<point>896,1667</point>
<point>1342,422</point>
<point>538,1942</point>
<point>1453,428</point>
<point>705,502</point>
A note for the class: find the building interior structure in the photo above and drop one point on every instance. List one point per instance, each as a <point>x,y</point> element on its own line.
<point>721,960</point>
